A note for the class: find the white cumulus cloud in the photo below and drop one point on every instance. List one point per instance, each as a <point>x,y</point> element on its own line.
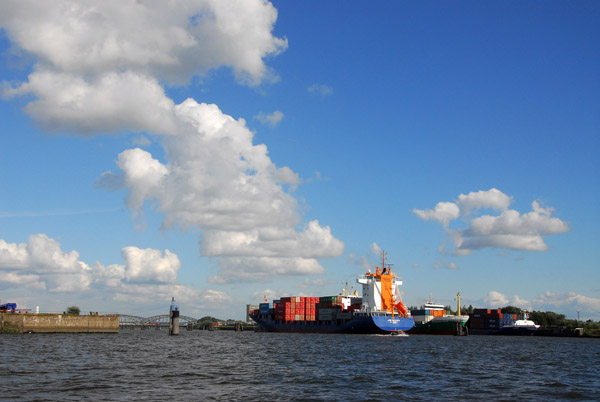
<point>216,180</point>
<point>578,301</point>
<point>264,269</point>
<point>444,212</point>
<point>18,280</point>
<point>102,67</point>
<point>148,265</point>
<point>99,63</point>
<point>496,299</point>
<point>492,198</point>
<point>106,103</point>
<point>147,275</point>
<point>509,229</point>
<point>42,264</point>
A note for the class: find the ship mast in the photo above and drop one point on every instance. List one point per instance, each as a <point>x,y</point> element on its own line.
<point>458,302</point>
<point>387,269</point>
<point>389,273</point>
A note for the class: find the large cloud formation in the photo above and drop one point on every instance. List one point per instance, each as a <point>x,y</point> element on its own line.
<point>145,276</point>
<point>218,181</point>
<point>510,229</point>
<point>100,64</point>
<point>101,67</point>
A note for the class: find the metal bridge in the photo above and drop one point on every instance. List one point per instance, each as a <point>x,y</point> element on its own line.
<point>156,320</point>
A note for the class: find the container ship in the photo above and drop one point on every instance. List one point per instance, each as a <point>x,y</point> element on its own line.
<point>379,311</point>
<point>433,319</point>
<point>494,322</point>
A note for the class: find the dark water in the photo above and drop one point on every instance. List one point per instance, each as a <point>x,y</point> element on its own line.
<point>201,365</point>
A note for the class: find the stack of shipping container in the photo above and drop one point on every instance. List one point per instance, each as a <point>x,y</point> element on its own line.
<point>426,315</point>
<point>490,319</point>
<point>300,308</point>
<point>295,308</point>
<point>328,307</point>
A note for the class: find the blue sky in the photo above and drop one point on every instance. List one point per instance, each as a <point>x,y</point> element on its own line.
<point>220,155</point>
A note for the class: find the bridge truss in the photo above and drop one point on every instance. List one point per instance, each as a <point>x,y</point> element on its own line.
<point>161,320</point>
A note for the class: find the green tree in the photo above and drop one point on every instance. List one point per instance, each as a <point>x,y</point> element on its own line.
<point>205,322</point>
<point>551,319</point>
<point>511,310</point>
<point>73,310</point>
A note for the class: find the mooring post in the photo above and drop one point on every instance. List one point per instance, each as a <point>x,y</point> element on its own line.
<point>173,318</point>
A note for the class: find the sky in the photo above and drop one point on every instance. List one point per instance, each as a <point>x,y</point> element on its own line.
<point>226,152</point>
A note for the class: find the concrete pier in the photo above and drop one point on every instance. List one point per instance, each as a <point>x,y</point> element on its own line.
<point>55,323</point>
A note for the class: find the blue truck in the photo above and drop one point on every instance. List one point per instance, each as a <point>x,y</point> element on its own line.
<point>8,307</point>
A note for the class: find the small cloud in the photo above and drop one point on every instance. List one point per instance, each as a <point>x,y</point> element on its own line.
<point>320,89</point>
<point>141,141</point>
<point>261,295</point>
<point>271,120</point>
<point>216,280</point>
<point>110,181</point>
<point>361,261</point>
<point>496,299</point>
<point>444,212</point>
<point>375,249</point>
<point>443,264</point>
<point>317,177</point>
<point>415,265</point>
<point>215,297</point>
<point>319,282</point>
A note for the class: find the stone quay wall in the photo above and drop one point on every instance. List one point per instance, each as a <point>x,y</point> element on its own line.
<point>52,323</point>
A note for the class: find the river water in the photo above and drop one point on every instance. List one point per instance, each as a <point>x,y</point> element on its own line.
<point>222,365</point>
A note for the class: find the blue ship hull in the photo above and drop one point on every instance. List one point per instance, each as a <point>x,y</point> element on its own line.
<point>358,324</point>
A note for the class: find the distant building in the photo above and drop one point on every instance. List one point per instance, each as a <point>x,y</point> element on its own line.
<point>249,308</point>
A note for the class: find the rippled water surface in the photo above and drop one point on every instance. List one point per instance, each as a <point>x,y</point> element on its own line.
<point>201,365</point>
